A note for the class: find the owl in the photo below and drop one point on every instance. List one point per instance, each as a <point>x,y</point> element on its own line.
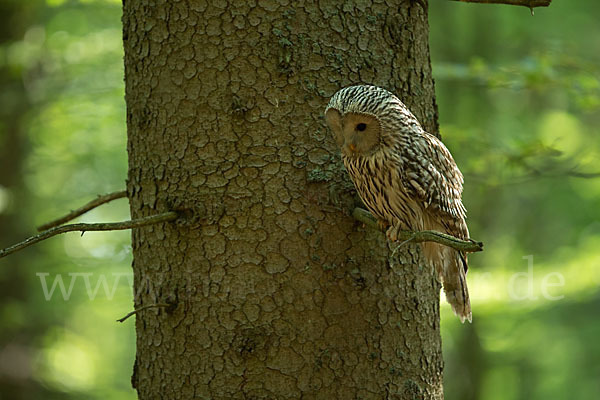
<point>406,177</point>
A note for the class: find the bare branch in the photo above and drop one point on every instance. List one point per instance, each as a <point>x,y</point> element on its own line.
<point>525,3</point>
<point>109,226</point>
<point>82,210</point>
<point>584,175</point>
<point>532,176</point>
<point>137,310</point>
<point>469,245</point>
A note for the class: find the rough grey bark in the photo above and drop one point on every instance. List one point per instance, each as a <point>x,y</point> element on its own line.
<point>278,292</point>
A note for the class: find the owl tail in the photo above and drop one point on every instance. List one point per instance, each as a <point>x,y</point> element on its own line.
<point>451,266</point>
<point>455,284</point>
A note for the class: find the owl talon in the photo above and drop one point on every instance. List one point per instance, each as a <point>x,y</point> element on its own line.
<point>392,233</point>
<point>383,225</point>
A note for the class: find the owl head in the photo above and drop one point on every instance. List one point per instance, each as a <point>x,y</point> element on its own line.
<point>365,118</point>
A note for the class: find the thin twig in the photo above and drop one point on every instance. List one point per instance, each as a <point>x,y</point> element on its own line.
<point>393,255</point>
<point>82,210</point>
<point>469,245</point>
<point>585,175</point>
<point>524,3</point>
<point>532,176</point>
<point>137,310</point>
<point>412,237</point>
<point>109,226</point>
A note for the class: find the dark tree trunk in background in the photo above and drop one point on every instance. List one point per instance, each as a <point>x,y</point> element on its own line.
<point>16,339</point>
<point>279,292</point>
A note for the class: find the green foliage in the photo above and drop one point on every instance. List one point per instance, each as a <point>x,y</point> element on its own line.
<point>520,109</point>
<point>64,60</point>
<point>519,101</point>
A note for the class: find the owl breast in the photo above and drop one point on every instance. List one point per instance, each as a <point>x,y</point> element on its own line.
<point>378,182</point>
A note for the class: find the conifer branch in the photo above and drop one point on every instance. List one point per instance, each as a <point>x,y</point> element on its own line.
<point>525,3</point>
<point>468,246</point>
<point>109,226</point>
<point>137,310</point>
<point>83,209</point>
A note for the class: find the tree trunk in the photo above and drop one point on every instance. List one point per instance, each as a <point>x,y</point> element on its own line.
<point>278,292</point>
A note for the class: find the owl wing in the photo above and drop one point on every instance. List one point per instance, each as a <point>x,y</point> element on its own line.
<point>431,176</point>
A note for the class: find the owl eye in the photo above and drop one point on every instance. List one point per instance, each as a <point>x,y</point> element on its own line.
<point>361,127</point>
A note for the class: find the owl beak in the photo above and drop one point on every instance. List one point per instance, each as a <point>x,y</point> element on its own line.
<point>349,149</point>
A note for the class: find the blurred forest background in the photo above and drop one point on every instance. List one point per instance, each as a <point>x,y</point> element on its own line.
<point>519,101</point>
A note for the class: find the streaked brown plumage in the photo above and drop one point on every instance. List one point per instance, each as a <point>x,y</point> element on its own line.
<point>406,177</point>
